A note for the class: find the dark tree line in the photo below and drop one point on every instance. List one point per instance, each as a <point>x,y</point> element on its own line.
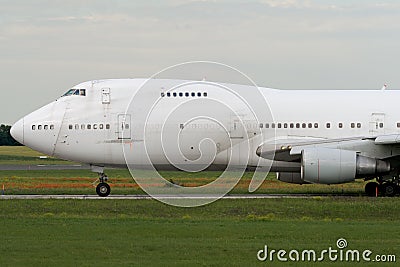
<point>5,136</point>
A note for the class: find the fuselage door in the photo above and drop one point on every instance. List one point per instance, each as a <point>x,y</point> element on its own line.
<point>237,130</point>
<point>105,96</point>
<point>377,124</point>
<point>124,126</point>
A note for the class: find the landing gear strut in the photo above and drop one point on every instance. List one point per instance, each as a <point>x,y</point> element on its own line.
<point>102,189</point>
<point>383,187</point>
<point>372,189</point>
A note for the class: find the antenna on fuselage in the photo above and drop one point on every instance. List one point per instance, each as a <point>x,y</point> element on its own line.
<point>384,86</point>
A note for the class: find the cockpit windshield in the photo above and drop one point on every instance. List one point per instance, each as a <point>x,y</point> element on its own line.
<point>80,92</point>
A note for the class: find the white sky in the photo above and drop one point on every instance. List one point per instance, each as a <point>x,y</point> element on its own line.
<point>47,46</point>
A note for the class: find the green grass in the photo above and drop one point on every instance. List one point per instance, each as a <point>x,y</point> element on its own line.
<point>21,151</point>
<point>21,155</point>
<point>225,233</point>
<point>148,233</point>
<point>81,181</point>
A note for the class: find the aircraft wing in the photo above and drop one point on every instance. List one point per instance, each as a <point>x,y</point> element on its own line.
<point>289,148</point>
<point>390,139</point>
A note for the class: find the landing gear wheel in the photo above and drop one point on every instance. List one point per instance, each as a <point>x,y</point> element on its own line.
<point>371,188</point>
<point>389,189</point>
<point>103,189</point>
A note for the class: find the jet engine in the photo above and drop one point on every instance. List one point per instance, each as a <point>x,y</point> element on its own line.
<point>333,166</point>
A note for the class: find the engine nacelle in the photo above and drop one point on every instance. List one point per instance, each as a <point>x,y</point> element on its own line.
<point>334,166</point>
<point>290,177</point>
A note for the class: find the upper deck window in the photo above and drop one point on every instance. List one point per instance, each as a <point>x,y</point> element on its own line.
<point>81,92</point>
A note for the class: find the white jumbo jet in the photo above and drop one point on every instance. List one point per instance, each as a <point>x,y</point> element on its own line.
<point>311,136</point>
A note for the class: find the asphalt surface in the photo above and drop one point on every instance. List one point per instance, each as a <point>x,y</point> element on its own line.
<point>144,197</point>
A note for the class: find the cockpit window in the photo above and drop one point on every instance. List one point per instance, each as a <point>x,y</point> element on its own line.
<point>81,92</point>
<point>70,92</point>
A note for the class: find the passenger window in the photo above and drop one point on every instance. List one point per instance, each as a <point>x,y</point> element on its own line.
<point>193,94</point>
<point>89,127</point>
<point>340,125</point>
<point>285,125</point>
<point>310,125</point>
<point>108,126</point>
<point>174,94</point>
<point>261,125</point>
<point>162,94</point>
<point>267,125</point>
<point>127,126</point>
<point>76,126</point>
<point>316,125</point>
<point>303,125</point>
<point>101,126</point>
<point>181,94</point>
<point>94,126</point>
<point>46,127</point>
<point>198,94</point>
<point>70,127</point>
<point>328,125</point>
<point>83,127</point>
<point>381,125</point>
<point>33,127</point>
<point>292,125</point>
<point>186,94</point>
<point>297,125</point>
<point>168,94</point>
<point>273,125</point>
<point>52,127</point>
<point>352,125</point>
<point>205,94</point>
<point>358,125</point>
<point>279,125</point>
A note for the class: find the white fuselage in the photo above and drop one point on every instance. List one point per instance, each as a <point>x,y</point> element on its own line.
<point>198,124</point>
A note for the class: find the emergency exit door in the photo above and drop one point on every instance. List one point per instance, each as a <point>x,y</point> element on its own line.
<point>377,124</point>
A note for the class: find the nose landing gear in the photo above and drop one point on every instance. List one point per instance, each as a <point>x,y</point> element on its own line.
<point>102,189</point>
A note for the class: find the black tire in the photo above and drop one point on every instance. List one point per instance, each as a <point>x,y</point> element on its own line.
<point>389,189</point>
<point>103,189</point>
<point>370,189</point>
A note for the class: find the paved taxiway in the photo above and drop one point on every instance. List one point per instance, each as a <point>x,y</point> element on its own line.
<point>143,197</point>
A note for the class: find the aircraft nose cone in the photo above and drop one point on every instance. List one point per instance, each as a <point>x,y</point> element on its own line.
<point>17,131</point>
